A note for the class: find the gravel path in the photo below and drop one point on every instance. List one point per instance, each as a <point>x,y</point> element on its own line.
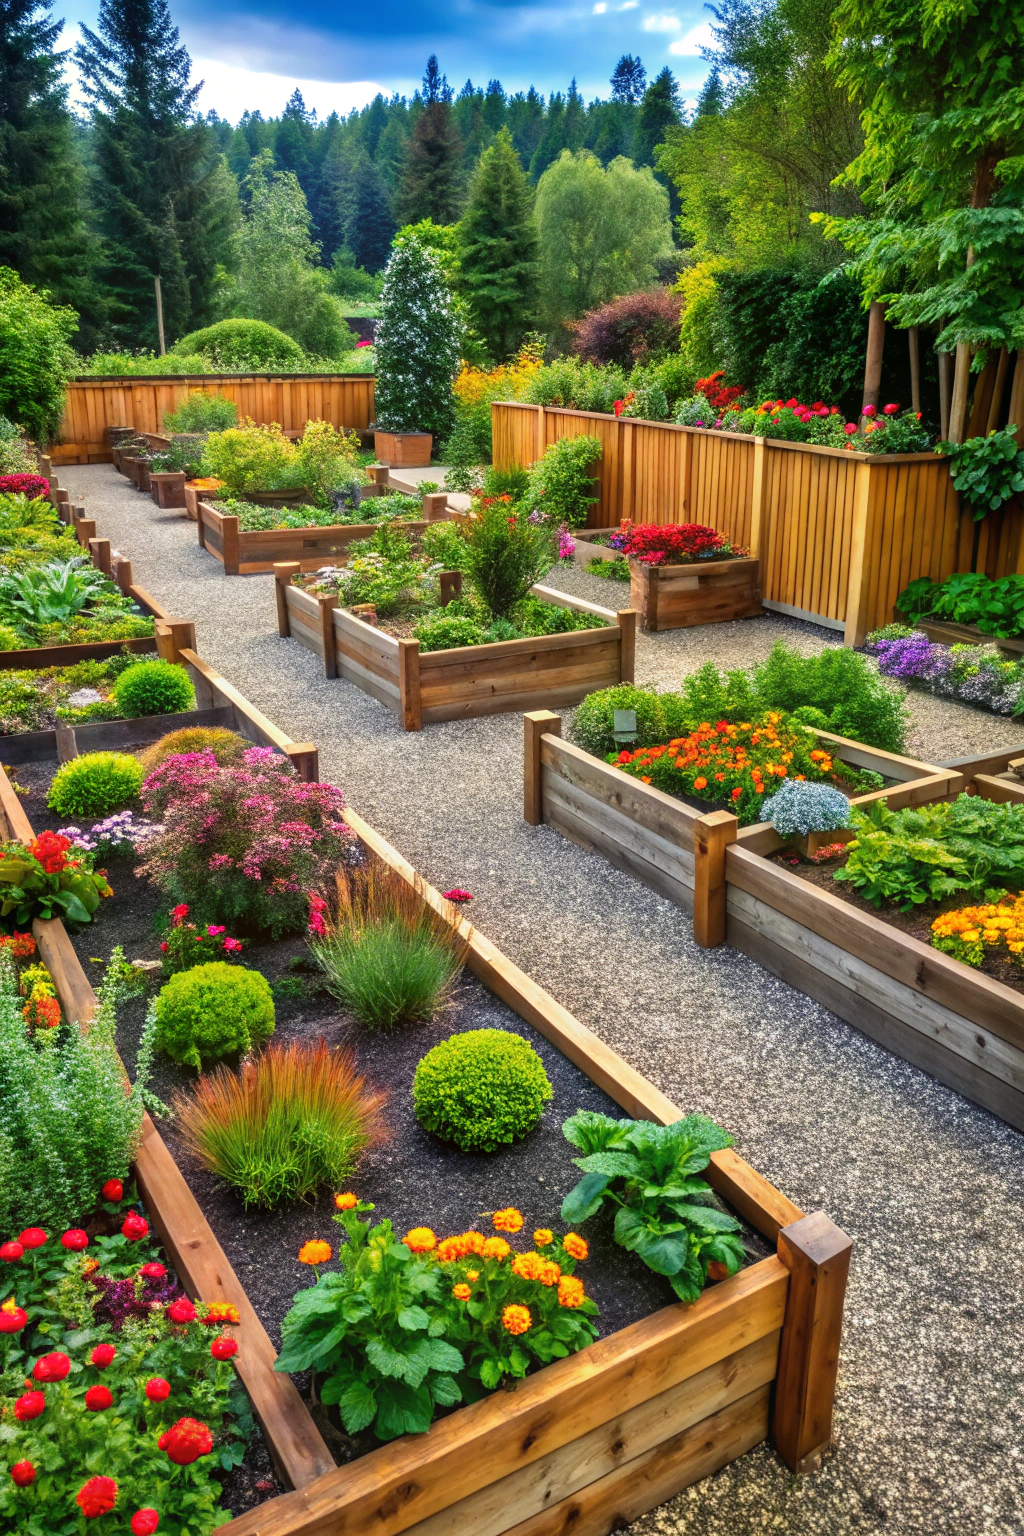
<point>929,1423</point>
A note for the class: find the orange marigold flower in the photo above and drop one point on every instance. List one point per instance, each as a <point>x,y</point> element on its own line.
<point>495,1248</point>
<point>472,1274</point>
<point>420,1240</point>
<point>516,1319</point>
<point>314,1252</point>
<point>461,1292</point>
<point>222,1312</point>
<point>570,1291</point>
<point>575,1246</point>
<point>527,1266</point>
<point>551,1273</point>
<point>700,783</point>
<point>543,1237</point>
<point>508,1220</point>
<point>347,1201</point>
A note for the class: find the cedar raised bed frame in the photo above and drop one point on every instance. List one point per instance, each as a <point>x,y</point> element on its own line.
<point>458,684</point>
<point>963,1027</point>
<point>703,592</point>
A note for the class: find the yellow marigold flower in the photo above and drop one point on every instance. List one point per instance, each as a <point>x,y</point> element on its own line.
<point>472,1274</point>
<point>543,1237</point>
<point>420,1240</point>
<point>508,1220</point>
<point>495,1248</point>
<point>551,1273</point>
<point>474,1242</point>
<point>527,1266</point>
<point>347,1201</point>
<point>516,1319</point>
<point>575,1246</point>
<point>222,1312</point>
<point>570,1291</point>
<point>461,1292</point>
<point>90,1266</point>
<point>314,1252</point>
<point>10,1305</point>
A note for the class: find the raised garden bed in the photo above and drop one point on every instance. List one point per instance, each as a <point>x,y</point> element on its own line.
<point>457,684</point>
<point>403,450</point>
<point>703,592</point>
<point>243,553</point>
<point>945,632</point>
<point>594,1439</point>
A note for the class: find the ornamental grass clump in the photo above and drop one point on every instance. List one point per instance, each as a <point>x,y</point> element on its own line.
<point>244,844</point>
<point>385,953</point>
<point>293,1121</point>
<point>227,746</point>
<point>481,1090</point>
<point>211,1011</point>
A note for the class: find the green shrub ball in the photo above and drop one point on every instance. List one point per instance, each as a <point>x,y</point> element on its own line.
<point>212,1011</point>
<point>154,688</point>
<point>481,1090</point>
<point>95,784</point>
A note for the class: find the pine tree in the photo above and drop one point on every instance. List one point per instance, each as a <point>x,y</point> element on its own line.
<point>575,118</point>
<point>42,235</point>
<point>711,101</point>
<point>494,106</point>
<point>526,124</point>
<point>161,194</point>
<point>432,174</point>
<point>629,80</point>
<point>498,250</point>
<point>371,228</point>
<point>659,111</point>
<point>552,140</point>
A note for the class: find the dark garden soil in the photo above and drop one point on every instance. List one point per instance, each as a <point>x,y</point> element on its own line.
<point>917,923</point>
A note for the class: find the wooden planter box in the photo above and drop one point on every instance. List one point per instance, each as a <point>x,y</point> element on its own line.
<point>243,554</point>
<point>403,450</point>
<point>587,550</point>
<point>705,592</point>
<point>167,487</point>
<point>458,684</point>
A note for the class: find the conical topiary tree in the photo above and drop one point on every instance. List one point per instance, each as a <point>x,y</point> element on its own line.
<point>418,343</point>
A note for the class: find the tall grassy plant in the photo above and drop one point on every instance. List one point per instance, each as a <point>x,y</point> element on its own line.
<point>387,955</point>
<point>294,1120</point>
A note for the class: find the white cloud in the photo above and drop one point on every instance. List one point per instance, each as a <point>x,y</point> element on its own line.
<point>600,8</point>
<point>661,23</point>
<point>630,5</point>
<point>230,90</point>
<point>697,38</point>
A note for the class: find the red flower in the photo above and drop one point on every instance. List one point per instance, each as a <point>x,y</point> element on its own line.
<point>158,1390</point>
<point>890,410</point>
<point>113,1190</point>
<point>97,1497</point>
<point>25,485</point>
<point>144,1522</point>
<point>186,1441</point>
<point>458,896</point>
<point>134,1226</point>
<point>22,1474</point>
<point>178,914</point>
<point>232,946</point>
<point>850,428</point>
<point>102,1356</point>
<point>32,1237</point>
<point>75,1239</point>
<point>98,1398</point>
<point>153,1271</point>
<point>12,1319</point>
<point>52,1367</point>
<point>737,792</point>
<point>870,410</point>
<point>51,851</point>
<point>223,1348</point>
<point>11,1252</point>
<point>181,1311</point>
<point>164,945</point>
<point>29,1406</point>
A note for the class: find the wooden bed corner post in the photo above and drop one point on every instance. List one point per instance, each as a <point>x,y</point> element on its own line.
<point>60,498</point>
<point>229,544</point>
<point>283,573</point>
<point>409,684</point>
<point>758,497</point>
<point>626,618</point>
<point>379,474</point>
<point>817,1255</point>
<point>174,636</point>
<point>535,725</point>
<point>99,549</point>
<point>122,572</point>
<point>326,603</point>
<point>435,505</point>
<point>451,586</point>
<point>86,530</point>
<point>305,759</point>
<point>858,591</point>
<point>712,835</point>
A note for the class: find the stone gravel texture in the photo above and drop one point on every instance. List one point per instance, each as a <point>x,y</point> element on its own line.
<point>929,1428</point>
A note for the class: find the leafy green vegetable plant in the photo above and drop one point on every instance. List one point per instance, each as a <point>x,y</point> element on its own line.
<point>666,1216</point>
<point>50,593</point>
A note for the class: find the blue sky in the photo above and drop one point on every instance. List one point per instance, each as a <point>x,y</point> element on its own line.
<point>340,55</point>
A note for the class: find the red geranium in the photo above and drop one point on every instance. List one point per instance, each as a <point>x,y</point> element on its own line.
<point>134,1226</point>
<point>12,1319</point>
<point>11,1252</point>
<point>181,1311</point>
<point>51,851</point>
<point>144,1522</point>
<point>102,1356</point>
<point>458,896</point>
<point>153,1271</point>
<point>99,1398</point>
<point>29,1406</point>
<point>113,1190</point>
<point>97,1497</point>
<point>186,1441</point>
<point>22,1474</point>
<point>32,1237</point>
<point>223,1348</point>
<point>52,1367</point>
<point>674,543</point>
<point>718,395</point>
<point>158,1390</point>
<point>75,1239</point>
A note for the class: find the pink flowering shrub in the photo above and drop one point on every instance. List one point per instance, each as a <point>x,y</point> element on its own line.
<point>246,844</point>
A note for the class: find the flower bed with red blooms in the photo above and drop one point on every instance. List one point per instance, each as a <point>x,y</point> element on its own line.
<point>187,944</point>
<point>24,485</point>
<point>118,1402</point>
<point>734,766</point>
<point>720,396</point>
<point>674,543</point>
<point>48,878</point>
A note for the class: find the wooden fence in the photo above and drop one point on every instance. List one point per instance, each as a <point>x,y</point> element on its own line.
<point>93,404</point>
<point>839,534</point>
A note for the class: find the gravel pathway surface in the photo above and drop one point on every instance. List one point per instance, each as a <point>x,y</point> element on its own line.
<point>929,1420</point>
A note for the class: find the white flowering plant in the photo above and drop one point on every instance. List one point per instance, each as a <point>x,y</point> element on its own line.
<point>800,808</point>
<point>418,345</point>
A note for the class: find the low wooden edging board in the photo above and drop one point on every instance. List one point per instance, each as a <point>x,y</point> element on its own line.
<point>592,1442</point>
<point>293,1439</point>
<point>244,554</point>
<point>472,680</point>
<point>702,592</point>
<point>945,632</point>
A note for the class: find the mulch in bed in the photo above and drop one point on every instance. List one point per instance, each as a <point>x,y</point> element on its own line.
<point>412,1177</point>
<point>917,923</point>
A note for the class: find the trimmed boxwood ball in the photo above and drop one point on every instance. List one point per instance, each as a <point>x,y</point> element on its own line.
<point>593,719</point>
<point>154,688</point>
<point>212,1011</point>
<point>95,784</point>
<point>481,1090</point>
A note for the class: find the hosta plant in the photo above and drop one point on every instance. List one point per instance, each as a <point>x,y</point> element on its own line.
<point>666,1216</point>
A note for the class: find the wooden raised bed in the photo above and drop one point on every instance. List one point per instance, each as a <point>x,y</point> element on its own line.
<point>945,632</point>
<point>243,554</point>
<point>704,592</point>
<point>472,680</point>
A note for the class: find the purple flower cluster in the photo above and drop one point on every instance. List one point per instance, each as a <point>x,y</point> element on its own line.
<point>122,832</point>
<point>137,1296</point>
<point>975,675</point>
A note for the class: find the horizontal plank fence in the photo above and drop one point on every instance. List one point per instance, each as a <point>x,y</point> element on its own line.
<point>94,404</point>
<point>838,534</point>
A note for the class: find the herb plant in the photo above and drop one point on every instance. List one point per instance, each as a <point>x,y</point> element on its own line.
<point>666,1216</point>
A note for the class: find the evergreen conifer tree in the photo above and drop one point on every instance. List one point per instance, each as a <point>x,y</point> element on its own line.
<point>711,101</point>
<point>552,140</point>
<point>418,340</point>
<point>371,227</point>
<point>629,80</point>
<point>659,111</point>
<point>432,174</point>
<point>498,249</point>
